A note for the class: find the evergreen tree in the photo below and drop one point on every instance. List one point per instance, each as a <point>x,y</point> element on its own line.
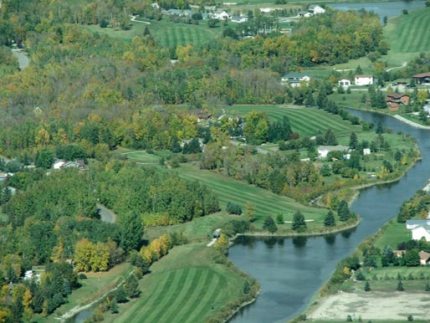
<point>343,211</point>
<point>329,220</point>
<point>353,141</point>
<point>367,287</point>
<point>131,232</point>
<point>280,218</point>
<point>131,286</point>
<point>400,287</point>
<point>270,225</point>
<point>330,138</point>
<point>299,223</point>
<point>121,295</point>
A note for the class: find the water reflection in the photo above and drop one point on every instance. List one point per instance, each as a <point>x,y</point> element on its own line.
<point>299,242</point>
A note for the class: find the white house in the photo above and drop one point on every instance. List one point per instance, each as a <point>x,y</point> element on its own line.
<point>316,10</point>
<point>221,15</point>
<point>345,83</point>
<point>239,19</point>
<point>366,151</point>
<point>420,229</point>
<point>324,150</point>
<point>295,79</point>
<point>363,80</point>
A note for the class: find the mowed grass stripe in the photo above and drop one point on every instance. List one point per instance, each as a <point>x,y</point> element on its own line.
<point>310,125</point>
<point>179,298</point>
<point>414,31</point>
<point>213,289</point>
<point>193,296</point>
<point>265,202</point>
<point>165,300</point>
<point>141,307</point>
<point>423,41</point>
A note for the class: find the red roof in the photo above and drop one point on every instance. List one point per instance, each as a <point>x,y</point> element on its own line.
<point>396,95</point>
<point>422,75</point>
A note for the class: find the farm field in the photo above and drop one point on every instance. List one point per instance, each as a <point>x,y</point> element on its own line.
<point>185,286</point>
<point>305,121</point>
<point>264,201</point>
<point>165,33</point>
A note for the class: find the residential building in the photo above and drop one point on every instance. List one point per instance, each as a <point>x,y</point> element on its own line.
<point>316,10</point>
<point>394,100</point>
<point>363,80</point>
<point>344,83</point>
<point>422,78</point>
<point>324,150</point>
<point>295,79</point>
<point>420,229</point>
<point>424,258</point>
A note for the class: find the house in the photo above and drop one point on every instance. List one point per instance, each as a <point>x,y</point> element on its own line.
<point>202,115</point>
<point>420,229</point>
<point>363,80</point>
<point>399,253</point>
<point>295,79</point>
<point>3,176</point>
<point>266,10</point>
<point>366,151</point>
<point>324,150</point>
<point>316,10</point>
<point>423,78</point>
<point>424,258</point>
<point>344,83</point>
<point>155,5</point>
<point>396,99</point>
<point>220,15</point>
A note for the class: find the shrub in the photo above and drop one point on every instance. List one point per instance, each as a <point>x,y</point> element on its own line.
<point>233,208</point>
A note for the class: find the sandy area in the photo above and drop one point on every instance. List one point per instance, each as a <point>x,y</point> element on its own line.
<point>373,306</point>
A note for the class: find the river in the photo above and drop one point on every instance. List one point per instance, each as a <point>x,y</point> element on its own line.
<point>291,271</point>
<point>382,9</point>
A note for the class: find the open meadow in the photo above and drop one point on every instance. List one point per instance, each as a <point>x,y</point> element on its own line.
<point>165,32</point>
<point>185,286</point>
<point>305,121</point>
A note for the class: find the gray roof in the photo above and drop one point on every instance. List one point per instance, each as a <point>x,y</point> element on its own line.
<point>419,223</point>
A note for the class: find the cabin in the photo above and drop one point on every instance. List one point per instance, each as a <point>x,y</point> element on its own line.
<point>344,83</point>
<point>363,80</point>
<point>423,78</point>
<point>324,150</point>
<point>366,151</point>
<point>424,258</point>
<point>420,229</point>
<point>295,79</point>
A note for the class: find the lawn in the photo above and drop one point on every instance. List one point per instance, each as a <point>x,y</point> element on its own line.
<point>185,286</point>
<point>392,234</point>
<point>165,32</point>
<point>410,33</point>
<point>199,229</point>
<point>264,201</point>
<point>305,121</point>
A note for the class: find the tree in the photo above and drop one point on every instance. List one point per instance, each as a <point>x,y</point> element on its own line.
<point>330,138</point>
<point>269,224</point>
<point>233,208</point>
<point>222,244</point>
<point>280,218</point>
<point>44,159</point>
<point>343,211</point>
<point>250,211</point>
<point>367,287</point>
<point>299,223</point>
<point>131,232</point>
<point>412,258</point>
<point>400,287</point>
<point>131,286</point>
<point>353,141</point>
<point>121,295</point>
<point>329,220</point>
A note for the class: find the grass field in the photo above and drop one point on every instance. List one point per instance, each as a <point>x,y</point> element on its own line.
<point>305,121</point>
<point>264,201</point>
<point>393,234</point>
<point>410,33</point>
<point>185,286</point>
<point>165,33</point>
